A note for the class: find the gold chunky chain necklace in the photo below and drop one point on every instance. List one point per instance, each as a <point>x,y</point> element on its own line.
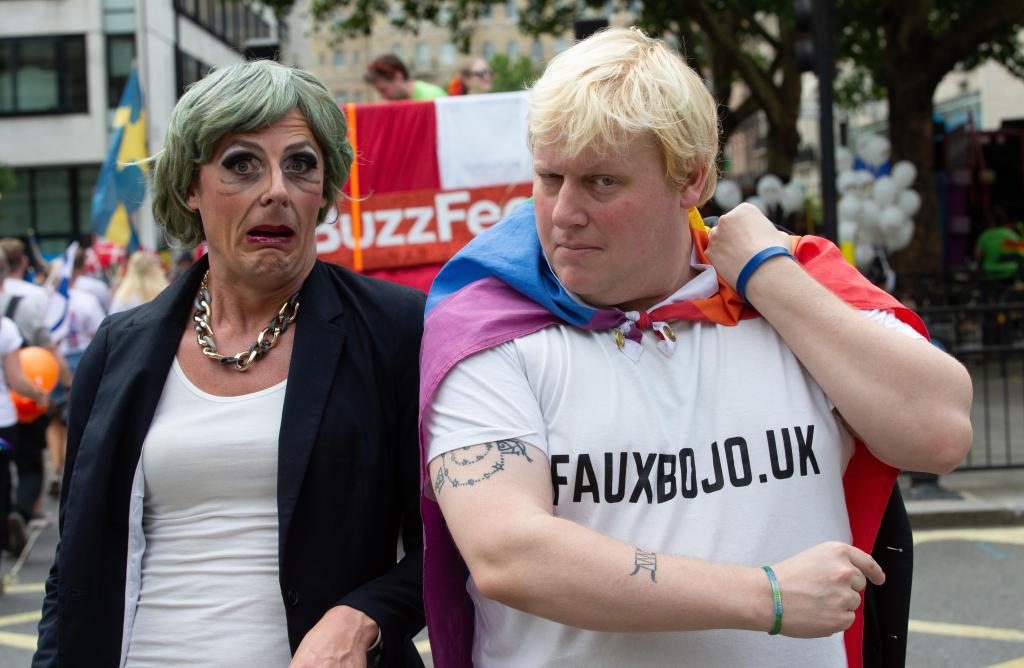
<point>264,342</point>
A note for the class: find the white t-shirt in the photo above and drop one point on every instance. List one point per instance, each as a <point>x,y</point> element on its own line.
<point>210,594</point>
<point>728,451</point>
<point>27,290</point>
<point>85,313</point>
<point>96,287</point>
<point>10,340</point>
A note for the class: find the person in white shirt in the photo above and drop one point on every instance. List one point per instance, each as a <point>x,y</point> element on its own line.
<point>12,377</point>
<point>636,469</point>
<point>27,304</point>
<point>83,316</point>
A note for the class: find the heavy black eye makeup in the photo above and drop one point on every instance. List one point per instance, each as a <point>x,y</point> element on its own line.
<point>234,160</point>
<point>303,161</point>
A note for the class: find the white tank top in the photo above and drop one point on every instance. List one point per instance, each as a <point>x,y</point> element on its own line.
<point>209,593</point>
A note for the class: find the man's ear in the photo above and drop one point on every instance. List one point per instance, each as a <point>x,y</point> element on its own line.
<point>691,192</point>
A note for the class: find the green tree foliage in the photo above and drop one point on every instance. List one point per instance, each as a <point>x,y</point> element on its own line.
<point>512,75</point>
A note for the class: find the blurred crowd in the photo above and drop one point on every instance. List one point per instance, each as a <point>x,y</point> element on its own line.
<point>51,310</point>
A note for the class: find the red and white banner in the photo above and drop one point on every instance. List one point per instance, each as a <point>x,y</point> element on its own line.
<point>428,177</point>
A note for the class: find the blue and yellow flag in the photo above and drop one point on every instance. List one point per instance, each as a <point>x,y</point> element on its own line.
<point>121,187</point>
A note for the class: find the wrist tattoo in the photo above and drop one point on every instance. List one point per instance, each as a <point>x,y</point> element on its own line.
<point>645,561</point>
<point>476,463</point>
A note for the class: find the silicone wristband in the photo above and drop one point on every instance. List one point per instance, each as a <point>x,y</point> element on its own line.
<point>753,263</point>
<point>776,599</point>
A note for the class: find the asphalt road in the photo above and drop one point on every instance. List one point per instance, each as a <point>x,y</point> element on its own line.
<point>967,609</point>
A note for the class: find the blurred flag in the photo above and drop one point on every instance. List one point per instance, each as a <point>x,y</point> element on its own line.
<point>121,187</point>
<point>59,303</point>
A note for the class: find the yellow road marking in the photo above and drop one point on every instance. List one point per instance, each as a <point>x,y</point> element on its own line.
<point>18,640</point>
<point>21,618</point>
<point>26,588</point>
<point>965,631</point>
<point>1012,663</point>
<point>1008,535</point>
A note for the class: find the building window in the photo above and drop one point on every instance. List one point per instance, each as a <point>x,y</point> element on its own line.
<point>537,51</point>
<point>423,56</point>
<point>231,20</point>
<point>339,59</point>
<point>54,201</point>
<point>511,10</point>
<point>190,70</point>
<point>43,75</point>
<point>486,14</point>
<point>488,50</point>
<point>399,51</point>
<point>446,54</point>
<point>341,96</point>
<point>560,44</point>
<point>322,59</point>
<point>358,96</point>
<point>512,50</point>
<point>120,52</point>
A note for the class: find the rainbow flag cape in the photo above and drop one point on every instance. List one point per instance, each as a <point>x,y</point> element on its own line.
<point>498,288</point>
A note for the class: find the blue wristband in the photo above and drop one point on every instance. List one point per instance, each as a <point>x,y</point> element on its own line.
<point>753,263</point>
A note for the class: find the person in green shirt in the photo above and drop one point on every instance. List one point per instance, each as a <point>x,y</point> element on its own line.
<point>998,249</point>
<point>390,77</point>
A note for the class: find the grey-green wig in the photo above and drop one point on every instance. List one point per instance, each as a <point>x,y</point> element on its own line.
<point>241,98</point>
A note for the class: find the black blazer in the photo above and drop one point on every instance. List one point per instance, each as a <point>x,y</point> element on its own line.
<point>348,465</point>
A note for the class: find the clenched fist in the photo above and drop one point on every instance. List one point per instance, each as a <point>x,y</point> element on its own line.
<point>821,588</point>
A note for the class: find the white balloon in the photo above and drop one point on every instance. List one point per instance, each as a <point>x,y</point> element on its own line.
<point>759,203</point>
<point>870,234</point>
<point>904,173</point>
<point>863,146</point>
<point>884,191</point>
<point>792,198</point>
<point>901,237</point>
<point>847,181</point>
<point>864,178</point>
<point>728,195</point>
<point>847,230</point>
<point>909,201</point>
<point>869,213</point>
<point>769,188</point>
<point>849,208</point>
<point>844,159</point>
<point>876,151</point>
<point>863,254</point>
<point>891,218</point>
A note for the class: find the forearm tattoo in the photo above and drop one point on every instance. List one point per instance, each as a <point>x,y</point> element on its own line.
<point>476,463</point>
<point>645,561</point>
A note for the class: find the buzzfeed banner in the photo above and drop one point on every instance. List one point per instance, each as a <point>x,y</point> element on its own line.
<point>417,227</point>
<point>428,177</point>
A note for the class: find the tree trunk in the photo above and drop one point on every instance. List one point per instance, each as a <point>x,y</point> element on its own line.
<point>910,131</point>
<point>782,143</point>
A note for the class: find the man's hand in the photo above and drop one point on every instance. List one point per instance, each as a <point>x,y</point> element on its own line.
<point>821,588</point>
<point>738,236</point>
<point>340,639</point>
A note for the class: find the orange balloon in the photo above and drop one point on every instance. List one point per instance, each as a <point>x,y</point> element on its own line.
<point>28,410</point>
<point>40,366</point>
